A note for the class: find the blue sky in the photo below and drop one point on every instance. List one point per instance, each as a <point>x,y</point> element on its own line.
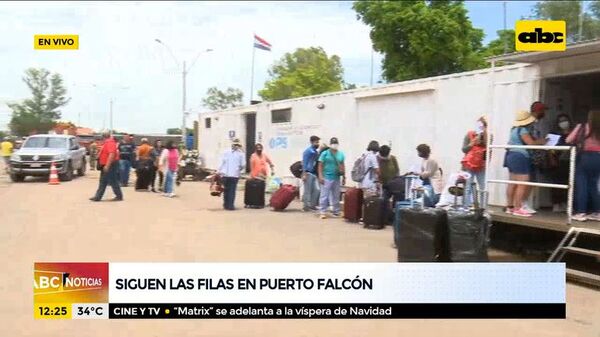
<point>118,53</point>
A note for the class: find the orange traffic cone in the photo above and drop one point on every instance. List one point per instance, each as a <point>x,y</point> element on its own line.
<point>53,175</point>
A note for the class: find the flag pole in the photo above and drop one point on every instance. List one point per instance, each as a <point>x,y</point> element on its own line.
<point>252,75</point>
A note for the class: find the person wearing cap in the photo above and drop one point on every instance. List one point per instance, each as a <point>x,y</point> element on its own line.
<point>330,168</point>
<point>518,162</point>
<point>310,158</point>
<point>232,164</point>
<point>474,147</point>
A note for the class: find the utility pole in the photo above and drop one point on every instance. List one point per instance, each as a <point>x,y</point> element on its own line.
<point>183,128</point>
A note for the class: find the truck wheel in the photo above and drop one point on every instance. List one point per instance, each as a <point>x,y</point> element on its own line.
<point>17,178</point>
<point>68,175</point>
<point>81,171</point>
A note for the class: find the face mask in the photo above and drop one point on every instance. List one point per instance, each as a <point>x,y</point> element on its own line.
<point>315,146</point>
<point>479,127</point>
<point>334,146</point>
<point>564,125</point>
<point>259,151</point>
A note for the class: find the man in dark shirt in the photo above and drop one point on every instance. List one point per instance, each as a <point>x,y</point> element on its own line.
<point>309,175</point>
<point>127,153</point>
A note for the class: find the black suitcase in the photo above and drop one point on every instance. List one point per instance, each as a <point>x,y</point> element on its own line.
<point>373,212</point>
<point>254,193</point>
<point>422,235</point>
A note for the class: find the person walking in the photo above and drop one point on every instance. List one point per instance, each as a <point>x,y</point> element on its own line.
<point>144,166</point>
<point>6,149</point>
<point>155,157</point>
<point>93,155</point>
<point>108,160</point>
<point>388,170</point>
<point>370,182</point>
<point>127,153</point>
<point>330,168</point>
<point>587,171</point>
<point>558,163</point>
<point>475,147</point>
<point>518,162</point>
<point>233,163</point>
<point>168,163</point>
<point>310,157</point>
<point>260,163</point>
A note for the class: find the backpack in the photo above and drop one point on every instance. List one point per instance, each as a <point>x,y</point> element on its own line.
<point>474,160</point>
<point>358,170</point>
<point>296,169</point>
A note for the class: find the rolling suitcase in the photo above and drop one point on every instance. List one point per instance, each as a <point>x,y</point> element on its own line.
<point>402,198</point>
<point>373,213</point>
<point>423,235</point>
<point>353,201</point>
<point>283,197</point>
<point>254,193</point>
<point>468,231</point>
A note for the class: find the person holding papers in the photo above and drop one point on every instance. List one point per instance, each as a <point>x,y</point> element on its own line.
<point>558,161</point>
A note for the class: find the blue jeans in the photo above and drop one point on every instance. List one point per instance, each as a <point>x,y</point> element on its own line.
<point>229,187</point>
<point>330,196</point>
<point>587,172</point>
<point>475,176</point>
<point>125,168</point>
<point>109,178</point>
<point>169,181</point>
<point>311,191</point>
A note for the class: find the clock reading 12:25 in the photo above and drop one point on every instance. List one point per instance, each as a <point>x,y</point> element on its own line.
<point>52,311</point>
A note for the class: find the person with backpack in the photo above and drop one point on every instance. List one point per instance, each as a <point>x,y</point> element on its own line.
<point>474,148</point>
<point>310,158</point>
<point>587,171</point>
<point>388,170</point>
<point>366,171</point>
<point>330,168</point>
<point>518,162</point>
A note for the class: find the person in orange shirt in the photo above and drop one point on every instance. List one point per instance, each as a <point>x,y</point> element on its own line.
<point>144,166</point>
<point>258,163</point>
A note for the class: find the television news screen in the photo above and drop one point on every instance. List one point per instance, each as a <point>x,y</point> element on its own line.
<point>300,168</point>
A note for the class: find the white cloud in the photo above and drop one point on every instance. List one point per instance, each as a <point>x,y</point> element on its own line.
<point>117,48</point>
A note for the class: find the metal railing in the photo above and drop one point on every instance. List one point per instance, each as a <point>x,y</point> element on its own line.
<point>569,187</point>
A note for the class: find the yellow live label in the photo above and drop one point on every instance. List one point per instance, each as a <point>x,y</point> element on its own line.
<point>56,42</point>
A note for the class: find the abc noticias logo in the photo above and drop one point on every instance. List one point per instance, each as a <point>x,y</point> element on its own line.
<point>45,282</point>
<point>540,35</point>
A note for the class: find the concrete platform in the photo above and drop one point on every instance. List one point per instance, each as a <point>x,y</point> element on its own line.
<point>543,219</point>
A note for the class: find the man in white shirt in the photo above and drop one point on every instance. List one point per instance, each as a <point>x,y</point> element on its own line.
<point>232,164</point>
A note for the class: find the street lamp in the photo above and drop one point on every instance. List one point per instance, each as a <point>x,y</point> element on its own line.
<point>184,73</point>
<point>111,105</point>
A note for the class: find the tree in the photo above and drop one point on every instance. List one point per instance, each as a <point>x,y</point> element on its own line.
<point>218,100</point>
<point>305,72</point>
<point>177,131</point>
<point>421,38</point>
<point>504,43</point>
<point>38,113</point>
<point>570,12</point>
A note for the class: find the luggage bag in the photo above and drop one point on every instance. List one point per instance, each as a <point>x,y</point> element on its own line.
<point>373,213</point>
<point>353,201</point>
<point>254,193</point>
<point>422,235</point>
<point>283,197</point>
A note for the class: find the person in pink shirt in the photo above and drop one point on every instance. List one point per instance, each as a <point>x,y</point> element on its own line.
<point>587,172</point>
<point>168,161</point>
<point>258,163</point>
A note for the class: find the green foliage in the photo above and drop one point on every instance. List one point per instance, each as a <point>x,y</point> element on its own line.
<point>218,100</point>
<point>305,72</point>
<point>503,44</point>
<point>570,12</point>
<point>38,113</point>
<point>177,131</point>
<point>421,38</point>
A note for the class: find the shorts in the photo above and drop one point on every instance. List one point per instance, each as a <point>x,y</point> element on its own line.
<point>517,163</point>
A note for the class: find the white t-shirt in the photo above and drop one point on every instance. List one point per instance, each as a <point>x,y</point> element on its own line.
<point>371,164</point>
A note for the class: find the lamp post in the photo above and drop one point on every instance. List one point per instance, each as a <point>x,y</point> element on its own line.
<point>110,118</point>
<point>184,73</point>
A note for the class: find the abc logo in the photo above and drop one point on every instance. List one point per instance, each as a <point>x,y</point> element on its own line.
<point>540,35</point>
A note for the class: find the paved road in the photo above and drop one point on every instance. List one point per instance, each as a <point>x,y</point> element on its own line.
<point>57,223</point>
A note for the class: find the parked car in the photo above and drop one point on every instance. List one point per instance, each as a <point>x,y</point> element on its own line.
<point>39,151</point>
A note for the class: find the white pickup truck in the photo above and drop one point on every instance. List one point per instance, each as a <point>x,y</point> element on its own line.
<point>39,151</point>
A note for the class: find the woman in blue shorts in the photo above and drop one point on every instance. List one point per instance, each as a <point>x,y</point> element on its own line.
<point>518,162</point>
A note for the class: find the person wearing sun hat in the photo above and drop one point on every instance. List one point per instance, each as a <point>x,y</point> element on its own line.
<point>518,162</point>
<point>232,164</point>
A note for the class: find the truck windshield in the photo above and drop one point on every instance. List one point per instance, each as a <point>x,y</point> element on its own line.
<point>49,142</point>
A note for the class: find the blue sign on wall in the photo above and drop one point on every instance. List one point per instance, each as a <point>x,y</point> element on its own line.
<point>278,143</point>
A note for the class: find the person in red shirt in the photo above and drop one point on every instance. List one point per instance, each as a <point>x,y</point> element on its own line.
<point>108,164</point>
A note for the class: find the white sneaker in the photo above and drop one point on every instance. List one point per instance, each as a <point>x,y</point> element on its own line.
<point>528,209</point>
<point>593,217</point>
<point>171,195</point>
<point>579,217</point>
